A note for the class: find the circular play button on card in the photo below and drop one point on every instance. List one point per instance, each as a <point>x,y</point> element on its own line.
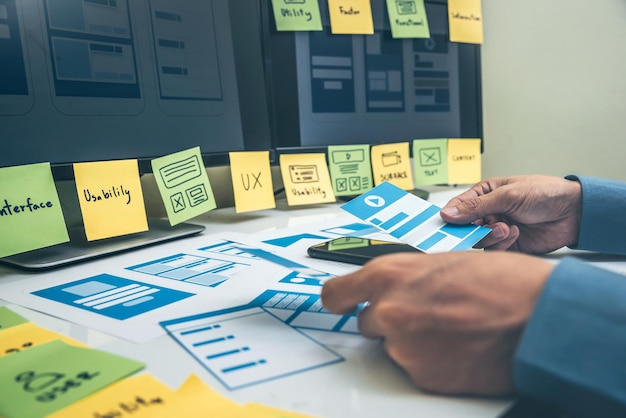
<point>374,201</point>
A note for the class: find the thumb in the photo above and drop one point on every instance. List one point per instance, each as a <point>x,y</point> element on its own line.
<point>467,210</point>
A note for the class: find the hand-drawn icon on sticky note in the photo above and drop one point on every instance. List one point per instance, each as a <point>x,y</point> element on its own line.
<point>429,157</point>
<point>391,158</point>
<point>197,195</point>
<point>406,7</point>
<point>341,184</point>
<point>303,173</point>
<point>348,156</point>
<point>355,183</point>
<point>184,185</point>
<point>177,201</point>
<point>181,171</point>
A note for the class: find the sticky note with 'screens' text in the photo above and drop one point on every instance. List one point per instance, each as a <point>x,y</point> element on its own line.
<point>392,163</point>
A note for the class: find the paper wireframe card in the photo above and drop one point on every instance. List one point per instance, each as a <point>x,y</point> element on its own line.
<point>412,220</point>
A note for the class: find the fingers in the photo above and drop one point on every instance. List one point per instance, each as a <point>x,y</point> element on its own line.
<point>367,323</point>
<point>343,294</point>
<point>507,243</point>
<point>469,207</point>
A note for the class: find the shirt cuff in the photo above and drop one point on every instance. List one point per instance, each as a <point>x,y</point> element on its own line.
<point>573,351</point>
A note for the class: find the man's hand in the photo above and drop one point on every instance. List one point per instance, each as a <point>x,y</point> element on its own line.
<point>452,321</point>
<point>532,214</point>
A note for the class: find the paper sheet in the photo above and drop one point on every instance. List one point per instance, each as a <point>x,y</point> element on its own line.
<point>412,220</point>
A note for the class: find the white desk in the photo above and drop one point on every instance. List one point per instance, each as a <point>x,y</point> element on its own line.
<point>366,384</point>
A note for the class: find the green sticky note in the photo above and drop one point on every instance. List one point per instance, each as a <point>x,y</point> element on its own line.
<point>408,19</point>
<point>293,15</point>
<point>30,211</point>
<point>430,161</point>
<point>51,376</point>
<point>350,169</point>
<point>9,319</point>
<point>184,185</point>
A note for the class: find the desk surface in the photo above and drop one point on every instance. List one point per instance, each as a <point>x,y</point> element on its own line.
<point>366,384</point>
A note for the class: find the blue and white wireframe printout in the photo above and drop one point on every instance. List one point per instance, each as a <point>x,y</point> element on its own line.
<point>412,220</point>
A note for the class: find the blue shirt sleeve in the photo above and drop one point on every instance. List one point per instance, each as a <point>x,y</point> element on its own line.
<point>573,351</point>
<point>603,220</point>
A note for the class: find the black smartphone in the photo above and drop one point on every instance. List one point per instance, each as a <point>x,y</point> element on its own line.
<point>357,250</point>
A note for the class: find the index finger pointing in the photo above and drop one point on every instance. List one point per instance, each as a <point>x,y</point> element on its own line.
<point>341,295</point>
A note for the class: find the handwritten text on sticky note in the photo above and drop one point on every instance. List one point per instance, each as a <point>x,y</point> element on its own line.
<point>464,162</point>
<point>351,17</point>
<point>252,181</point>
<point>466,21</point>
<point>306,179</point>
<point>430,161</point>
<point>30,210</point>
<point>51,376</point>
<point>408,19</point>
<point>392,163</point>
<point>110,197</point>
<point>297,15</point>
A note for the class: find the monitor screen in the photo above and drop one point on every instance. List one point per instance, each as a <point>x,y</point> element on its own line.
<point>370,89</point>
<point>90,80</point>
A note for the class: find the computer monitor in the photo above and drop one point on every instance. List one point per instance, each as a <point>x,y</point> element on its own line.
<point>371,89</point>
<point>92,80</point>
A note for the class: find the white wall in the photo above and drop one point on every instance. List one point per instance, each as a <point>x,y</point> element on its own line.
<point>554,87</point>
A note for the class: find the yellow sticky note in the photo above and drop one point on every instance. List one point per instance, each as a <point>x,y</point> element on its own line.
<point>194,399</point>
<point>351,17</point>
<point>392,163</point>
<point>110,197</point>
<point>139,396</point>
<point>24,336</point>
<point>184,185</point>
<point>464,161</point>
<point>466,21</point>
<point>30,210</point>
<point>264,411</point>
<point>252,181</point>
<point>306,179</point>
